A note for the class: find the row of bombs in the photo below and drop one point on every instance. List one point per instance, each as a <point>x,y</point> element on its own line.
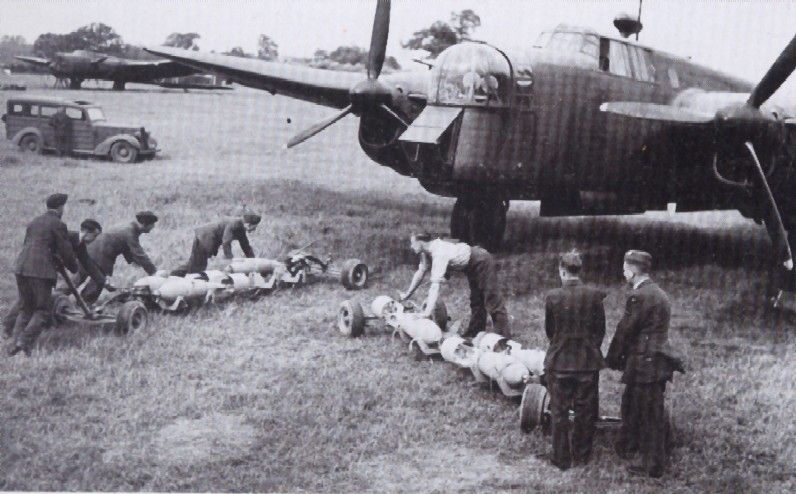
<point>489,356</point>
<point>250,276</point>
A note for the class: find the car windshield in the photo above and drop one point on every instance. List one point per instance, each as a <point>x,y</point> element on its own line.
<point>95,114</point>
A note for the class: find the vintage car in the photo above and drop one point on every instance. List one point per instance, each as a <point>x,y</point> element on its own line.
<point>28,126</point>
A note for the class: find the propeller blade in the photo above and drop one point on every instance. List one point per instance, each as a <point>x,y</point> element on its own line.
<point>311,131</point>
<point>378,39</point>
<point>393,114</point>
<point>774,220</point>
<point>652,111</point>
<point>780,70</point>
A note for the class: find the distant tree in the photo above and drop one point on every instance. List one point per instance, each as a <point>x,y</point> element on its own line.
<point>186,41</point>
<point>351,55</point>
<point>267,49</point>
<point>320,55</point>
<point>392,63</point>
<point>238,52</point>
<point>48,44</point>
<point>440,35</point>
<point>99,37</point>
<point>464,23</point>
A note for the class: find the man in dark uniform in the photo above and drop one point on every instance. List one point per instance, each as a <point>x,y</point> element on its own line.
<point>111,244</point>
<point>46,243</point>
<point>219,234</point>
<point>89,229</point>
<point>640,348</point>
<point>439,257</point>
<point>575,325</point>
<point>62,130</point>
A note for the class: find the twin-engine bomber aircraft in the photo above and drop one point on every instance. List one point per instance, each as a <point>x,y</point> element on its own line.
<point>588,124</point>
<point>79,65</point>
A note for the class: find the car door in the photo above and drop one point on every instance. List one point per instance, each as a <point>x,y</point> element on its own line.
<point>44,113</point>
<point>82,133</point>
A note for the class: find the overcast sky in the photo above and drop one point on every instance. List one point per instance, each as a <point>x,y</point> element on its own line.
<point>740,37</point>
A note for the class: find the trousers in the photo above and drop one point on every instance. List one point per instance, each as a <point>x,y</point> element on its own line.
<point>644,425</point>
<point>576,391</point>
<point>35,308</point>
<point>485,296</point>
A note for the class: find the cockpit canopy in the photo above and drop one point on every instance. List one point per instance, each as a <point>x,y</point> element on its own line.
<point>470,74</point>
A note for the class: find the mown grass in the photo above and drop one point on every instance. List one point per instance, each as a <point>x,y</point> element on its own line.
<point>266,396</point>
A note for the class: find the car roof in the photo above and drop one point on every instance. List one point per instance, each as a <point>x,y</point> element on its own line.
<point>53,100</point>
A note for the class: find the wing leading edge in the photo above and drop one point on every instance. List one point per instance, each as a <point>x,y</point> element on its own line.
<point>318,86</point>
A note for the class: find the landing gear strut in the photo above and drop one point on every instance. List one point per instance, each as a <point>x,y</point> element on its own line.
<point>479,221</point>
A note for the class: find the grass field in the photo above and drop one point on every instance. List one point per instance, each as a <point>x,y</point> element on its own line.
<point>267,396</point>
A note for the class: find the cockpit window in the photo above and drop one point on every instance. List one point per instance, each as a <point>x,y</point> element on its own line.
<point>471,74</point>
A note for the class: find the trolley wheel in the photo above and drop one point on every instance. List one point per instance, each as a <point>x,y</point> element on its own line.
<point>133,316</point>
<point>354,274</point>
<point>61,307</point>
<point>439,315</point>
<point>533,407</point>
<point>351,319</point>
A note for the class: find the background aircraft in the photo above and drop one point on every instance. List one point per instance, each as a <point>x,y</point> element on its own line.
<point>80,65</point>
<point>587,123</point>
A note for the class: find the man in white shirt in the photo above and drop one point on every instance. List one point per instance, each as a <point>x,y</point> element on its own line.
<point>441,256</point>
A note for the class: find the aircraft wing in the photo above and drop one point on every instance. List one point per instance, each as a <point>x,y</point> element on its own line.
<point>692,106</point>
<point>42,62</point>
<point>144,71</point>
<point>324,87</point>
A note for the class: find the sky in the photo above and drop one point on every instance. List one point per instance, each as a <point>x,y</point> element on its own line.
<point>736,36</point>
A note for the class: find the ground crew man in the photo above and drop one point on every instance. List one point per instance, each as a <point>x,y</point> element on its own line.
<point>46,246</point>
<point>575,326</point>
<point>441,256</point>
<point>219,234</point>
<point>89,229</point>
<point>62,130</point>
<point>109,245</point>
<point>640,348</point>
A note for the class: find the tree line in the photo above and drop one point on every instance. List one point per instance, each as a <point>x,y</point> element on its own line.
<point>102,38</point>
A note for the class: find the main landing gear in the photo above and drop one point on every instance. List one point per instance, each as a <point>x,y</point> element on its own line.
<point>479,221</point>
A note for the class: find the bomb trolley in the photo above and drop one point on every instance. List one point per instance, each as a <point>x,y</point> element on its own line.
<point>131,316</point>
<point>535,412</point>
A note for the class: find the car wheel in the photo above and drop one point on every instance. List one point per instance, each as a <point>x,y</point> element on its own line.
<point>123,152</point>
<point>354,274</point>
<point>351,319</point>
<point>31,143</point>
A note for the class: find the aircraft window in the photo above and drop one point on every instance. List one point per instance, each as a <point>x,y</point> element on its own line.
<point>543,39</point>
<point>74,113</point>
<point>48,111</point>
<point>471,73</point>
<point>674,80</point>
<point>95,114</point>
<point>640,63</point>
<point>591,46</point>
<point>619,59</point>
<point>566,42</point>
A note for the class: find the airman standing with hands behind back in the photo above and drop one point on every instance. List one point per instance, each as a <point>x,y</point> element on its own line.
<point>575,325</point>
<point>640,348</point>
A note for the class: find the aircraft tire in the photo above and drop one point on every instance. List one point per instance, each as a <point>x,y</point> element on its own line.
<point>75,83</point>
<point>479,222</point>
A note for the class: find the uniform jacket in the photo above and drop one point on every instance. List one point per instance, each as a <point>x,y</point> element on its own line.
<point>61,123</point>
<point>120,241</point>
<point>222,233</point>
<point>45,238</point>
<point>575,325</point>
<point>641,342</point>
<point>84,259</point>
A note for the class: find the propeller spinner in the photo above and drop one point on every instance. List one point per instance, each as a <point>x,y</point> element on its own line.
<point>370,93</point>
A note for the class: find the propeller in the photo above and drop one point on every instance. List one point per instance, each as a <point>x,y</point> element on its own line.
<point>370,93</point>
<point>779,71</point>
<point>774,220</point>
